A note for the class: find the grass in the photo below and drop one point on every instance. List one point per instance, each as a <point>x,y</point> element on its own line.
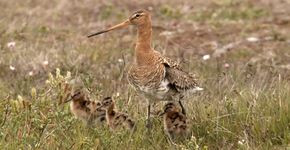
<point>244,106</point>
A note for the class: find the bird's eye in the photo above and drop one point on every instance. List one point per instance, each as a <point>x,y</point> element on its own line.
<point>136,16</point>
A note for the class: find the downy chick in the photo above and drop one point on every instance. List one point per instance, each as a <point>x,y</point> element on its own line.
<point>175,122</point>
<point>114,118</point>
<point>97,114</point>
<point>86,110</point>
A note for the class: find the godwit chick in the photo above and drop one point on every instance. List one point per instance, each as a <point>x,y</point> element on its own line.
<point>155,76</point>
<point>175,123</point>
<point>86,110</point>
<point>114,118</point>
<point>98,115</point>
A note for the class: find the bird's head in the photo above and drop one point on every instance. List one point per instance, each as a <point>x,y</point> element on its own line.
<point>138,18</point>
<point>107,102</point>
<point>78,95</point>
<point>170,107</point>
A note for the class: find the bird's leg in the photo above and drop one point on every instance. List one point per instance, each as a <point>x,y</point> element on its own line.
<point>182,108</point>
<point>170,140</point>
<point>148,123</point>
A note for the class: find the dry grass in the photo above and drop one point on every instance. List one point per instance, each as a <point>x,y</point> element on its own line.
<point>244,106</point>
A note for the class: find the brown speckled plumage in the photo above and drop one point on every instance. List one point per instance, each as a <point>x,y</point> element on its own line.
<point>115,119</point>
<point>175,123</point>
<point>155,76</point>
<point>86,110</point>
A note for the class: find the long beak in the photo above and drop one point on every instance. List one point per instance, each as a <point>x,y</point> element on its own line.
<point>118,26</point>
<point>70,99</point>
<point>161,114</point>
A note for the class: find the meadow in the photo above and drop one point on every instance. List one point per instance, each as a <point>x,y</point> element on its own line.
<point>238,49</point>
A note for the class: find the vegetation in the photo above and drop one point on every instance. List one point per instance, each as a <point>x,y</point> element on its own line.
<point>240,51</point>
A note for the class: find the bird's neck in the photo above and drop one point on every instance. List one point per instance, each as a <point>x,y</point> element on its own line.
<point>143,46</point>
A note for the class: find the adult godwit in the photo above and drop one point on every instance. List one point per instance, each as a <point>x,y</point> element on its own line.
<point>155,76</point>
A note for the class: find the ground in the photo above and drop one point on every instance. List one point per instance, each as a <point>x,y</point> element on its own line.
<point>238,49</point>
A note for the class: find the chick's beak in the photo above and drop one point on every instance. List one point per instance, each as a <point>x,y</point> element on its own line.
<point>70,99</point>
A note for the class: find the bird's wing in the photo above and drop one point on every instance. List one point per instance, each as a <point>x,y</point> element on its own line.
<point>180,79</point>
<point>170,63</point>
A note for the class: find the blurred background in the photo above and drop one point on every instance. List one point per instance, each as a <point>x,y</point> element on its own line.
<point>239,49</point>
<point>37,37</point>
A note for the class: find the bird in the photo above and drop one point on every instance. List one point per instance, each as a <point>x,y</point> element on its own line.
<point>175,123</point>
<point>115,119</point>
<point>86,110</point>
<point>153,75</point>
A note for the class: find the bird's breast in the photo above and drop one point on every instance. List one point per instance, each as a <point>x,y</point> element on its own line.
<point>158,93</point>
<point>149,80</point>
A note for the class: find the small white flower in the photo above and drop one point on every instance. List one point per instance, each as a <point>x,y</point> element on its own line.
<point>253,39</point>
<point>11,44</point>
<point>45,63</point>
<point>12,68</point>
<point>206,57</point>
<point>30,73</point>
<point>226,65</point>
<point>117,94</point>
<point>242,142</point>
<point>120,60</point>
